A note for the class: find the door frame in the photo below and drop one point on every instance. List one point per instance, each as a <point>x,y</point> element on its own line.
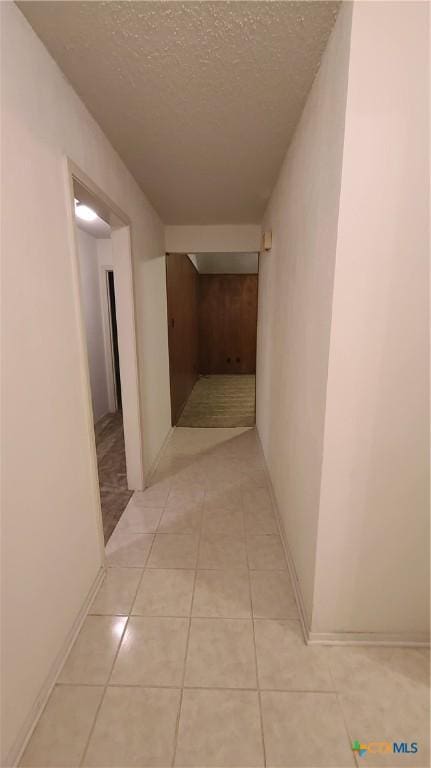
<point>104,268</point>
<point>122,266</point>
<point>112,360</point>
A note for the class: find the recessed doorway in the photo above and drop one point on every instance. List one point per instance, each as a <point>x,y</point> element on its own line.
<point>110,283</point>
<point>212,328</point>
<point>102,237</point>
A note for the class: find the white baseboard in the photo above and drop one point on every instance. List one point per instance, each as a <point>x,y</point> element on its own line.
<point>30,722</point>
<point>419,640</point>
<point>369,638</point>
<point>289,559</point>
<point>151,471</point>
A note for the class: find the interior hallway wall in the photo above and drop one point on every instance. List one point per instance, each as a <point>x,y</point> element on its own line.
<point>295,300</point>
<point>213,238</point>
<point>343,355</point>
<point>92,310</point>
<point>182,286</point>
<point>372,569</point>
<point>50,505</point>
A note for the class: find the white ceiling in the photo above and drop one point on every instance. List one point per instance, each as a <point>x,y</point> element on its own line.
<point>225,263</point>
<point>199,98</point>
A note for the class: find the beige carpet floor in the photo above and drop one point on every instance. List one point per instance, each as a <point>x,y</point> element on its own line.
<point>220,401</point>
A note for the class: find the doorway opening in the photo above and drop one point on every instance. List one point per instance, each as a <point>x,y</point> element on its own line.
<point>103,251</point>
<point>114,337</point>
<point>212,329</point>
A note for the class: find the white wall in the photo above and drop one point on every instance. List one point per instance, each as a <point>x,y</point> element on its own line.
<point>295,298</point>
<point>372,569</point>
<point>50,503</point>
<point>213,238</point>
<point>226,263</point>
<point>91,305</point>
<point>342,401</point>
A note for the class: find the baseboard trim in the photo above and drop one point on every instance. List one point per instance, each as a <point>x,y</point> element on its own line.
<point>150,474</point>
<point>368,638</point>
<point>30,722</point>
<point>289,559</point>
<point>419,640</point>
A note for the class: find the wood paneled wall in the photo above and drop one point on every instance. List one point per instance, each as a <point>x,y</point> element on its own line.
<point>182,302</point>
<point>227,323</point>
<point>212,323</point>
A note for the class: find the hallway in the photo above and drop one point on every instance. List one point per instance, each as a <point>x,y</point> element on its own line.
<point>193,655</point>
<point>252,185</point>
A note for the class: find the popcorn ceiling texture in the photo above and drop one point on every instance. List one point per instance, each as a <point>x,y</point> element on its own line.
<point>200,99</point>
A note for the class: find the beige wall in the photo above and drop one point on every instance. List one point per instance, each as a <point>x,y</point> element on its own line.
<point>295,298</point>
<point>343,333</point>
<point>92,309</point>
<point>226,263</point>
<point>372,572</point>
<point>50,506</point>
<point>213,238</point>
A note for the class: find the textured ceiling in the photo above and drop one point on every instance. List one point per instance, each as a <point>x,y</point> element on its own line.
<point>200,99</point>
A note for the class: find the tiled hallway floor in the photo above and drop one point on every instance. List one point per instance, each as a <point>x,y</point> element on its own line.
<point>193,653</point>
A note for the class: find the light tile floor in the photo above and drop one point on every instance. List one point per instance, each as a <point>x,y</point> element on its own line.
<point>192,654</point>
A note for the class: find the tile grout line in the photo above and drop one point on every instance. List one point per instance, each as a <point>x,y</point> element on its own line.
<point>102,698</point>
<point>207,488</point>
<point>189,568</point>
<point>141,579</point>
<point>349,738</point>
<point>144,567</point>
<point>105,687</point>
<point>180,704</point>
<point>183,616</point>
<point>147,533</point>
<point>262,735</point>
<point>130,615</point>
<point>336,692</point>
<point>198,687</point>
